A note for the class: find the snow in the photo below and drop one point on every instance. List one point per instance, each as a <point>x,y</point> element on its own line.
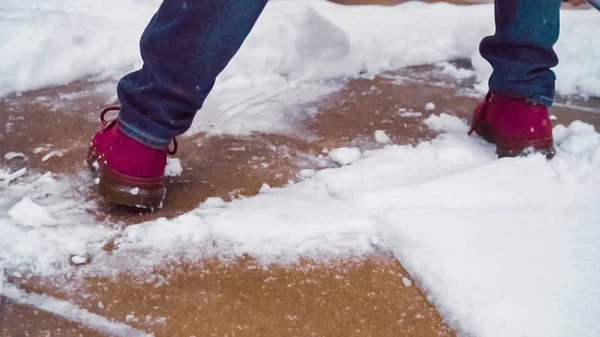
<point>52,154</point>
<point>12,155</point>
<point>307,173</point>
<point>430,106</point>
<point>381,137</point>
<point>294,42</point>
<point>454,72</point>
<point>72,312</point>
<point>407,282</point>
<point>28,213</point>
<point>409,114</point>
<point>78,259</point>
<point>345,155</point>
<point>173,168</point>
<point>43,222</point>
<point>10,177</point>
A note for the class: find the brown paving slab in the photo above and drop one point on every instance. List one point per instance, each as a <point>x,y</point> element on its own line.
<point>354,297</point>
<point>359,297</point>
<point>22,321</point>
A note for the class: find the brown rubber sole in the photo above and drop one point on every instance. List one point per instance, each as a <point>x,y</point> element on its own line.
<point>544,148</point>
<point>125,190</point>
<point>510,148</point>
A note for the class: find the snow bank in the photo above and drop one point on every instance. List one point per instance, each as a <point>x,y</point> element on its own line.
<point>54,42</point>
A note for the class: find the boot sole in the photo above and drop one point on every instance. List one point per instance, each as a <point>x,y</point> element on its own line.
<point>506,148</point>
<point>125,190</point>
<point>510,148</point>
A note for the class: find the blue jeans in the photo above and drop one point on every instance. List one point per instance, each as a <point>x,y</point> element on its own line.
<point>189,42</point>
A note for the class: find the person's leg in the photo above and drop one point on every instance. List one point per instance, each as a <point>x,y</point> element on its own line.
<point>514,115</point>
<point>185,46</point>
<point>521,51</point>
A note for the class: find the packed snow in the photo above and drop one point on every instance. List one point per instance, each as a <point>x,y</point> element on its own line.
<point>54,42</point>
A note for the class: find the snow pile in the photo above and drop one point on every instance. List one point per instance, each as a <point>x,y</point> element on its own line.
<point>53,42</point>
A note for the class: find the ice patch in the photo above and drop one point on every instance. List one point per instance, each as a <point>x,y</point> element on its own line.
<point>345,155</point>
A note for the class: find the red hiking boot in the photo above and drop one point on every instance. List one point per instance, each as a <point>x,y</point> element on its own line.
<point>130,173</point>
<point>516,126</point>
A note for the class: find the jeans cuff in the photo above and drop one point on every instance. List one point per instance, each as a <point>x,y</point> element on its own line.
<point>543,100</point>
<point>142,137</point>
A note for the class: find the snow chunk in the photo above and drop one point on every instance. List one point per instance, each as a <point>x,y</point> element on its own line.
<point>76,259</point>
<point>345,155</point>
<point>407,282</point>
<point>28,213</point>
<point>446,123</point>
<point>430,106</point>
<point>12,155</point>
<point>52,154</point>
<point>173,168</point>
<point>411,114</point>
<point>264,188</point>
<point>381,137</point>
<point>10,177</point>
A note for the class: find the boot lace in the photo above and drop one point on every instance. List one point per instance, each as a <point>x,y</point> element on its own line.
<point>112,122</point>
<point>481,116</point>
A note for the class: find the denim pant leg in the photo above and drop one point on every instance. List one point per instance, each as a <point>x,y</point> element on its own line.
<point>521,51</point>
<point>185,46</point>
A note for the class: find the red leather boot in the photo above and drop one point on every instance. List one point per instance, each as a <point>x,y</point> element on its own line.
<point>130,173</point>
<point>516,126</point>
